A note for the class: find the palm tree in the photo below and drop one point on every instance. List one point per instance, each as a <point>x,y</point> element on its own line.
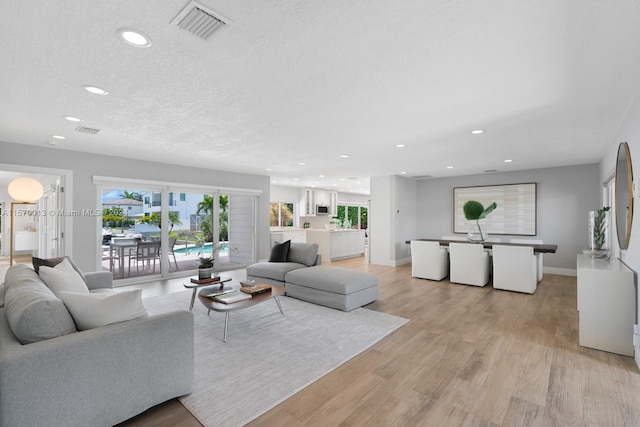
<point>155,219</point>
<point>206,226</point>
<point>131,195</point>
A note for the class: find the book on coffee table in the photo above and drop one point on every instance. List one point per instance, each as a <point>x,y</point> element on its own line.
<point>258,288</point>
<point>204,281</point>
<point>231,297</point>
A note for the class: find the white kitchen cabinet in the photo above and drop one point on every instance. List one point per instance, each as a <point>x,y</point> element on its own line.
<point>606,305</point>
<point>333,203</point>
<point>25,241</point>
<point>312,197</point>
<point>339,244</point>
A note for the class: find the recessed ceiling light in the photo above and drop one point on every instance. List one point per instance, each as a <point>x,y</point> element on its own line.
<point>477,131</point>
<point>400,145</point>
<point>320,176</point>
<point>508,161</point>
<point>95,90</point>
<point>296,179</point>
<point>268,169</point>
<point>401,173</point>
<point>341,179</point>
<point>302,163</point>
<point>344,156</point>
<point>134,37</point>
<point>72,119</point>
<point>58,137</point>
<point>449,167</point>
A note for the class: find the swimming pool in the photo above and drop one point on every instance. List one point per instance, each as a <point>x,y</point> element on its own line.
<point>206,249</point>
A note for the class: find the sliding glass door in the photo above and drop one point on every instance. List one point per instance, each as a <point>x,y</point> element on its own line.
<point>198,224</point>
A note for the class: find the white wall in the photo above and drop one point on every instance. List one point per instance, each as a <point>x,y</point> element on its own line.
<point>85,165</point>
<point>629,132</point>
<point>564,196</point>
<point>392,219</point>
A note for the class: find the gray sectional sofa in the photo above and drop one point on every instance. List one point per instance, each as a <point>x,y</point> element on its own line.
<point>305,278</point>
<point>52,375</point>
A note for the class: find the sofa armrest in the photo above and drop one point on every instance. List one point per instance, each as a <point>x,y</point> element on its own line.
<point>99,279</point>
<point>101,376</point>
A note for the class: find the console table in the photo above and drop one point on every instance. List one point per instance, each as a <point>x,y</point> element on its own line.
<point>606,305</point>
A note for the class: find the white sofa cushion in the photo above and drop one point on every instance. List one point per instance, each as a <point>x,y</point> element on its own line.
<point>63,278</point>
<point>52,262</point>
<point>92,310</point>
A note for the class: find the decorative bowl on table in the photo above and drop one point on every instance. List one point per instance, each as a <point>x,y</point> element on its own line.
<point>247,283</point>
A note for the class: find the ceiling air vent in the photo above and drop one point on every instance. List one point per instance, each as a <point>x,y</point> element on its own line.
<point>199,21</point>
<point>91,131</point>
<point>422,177</point>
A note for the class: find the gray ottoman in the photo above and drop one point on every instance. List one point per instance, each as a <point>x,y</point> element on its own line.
<point>334,287</point>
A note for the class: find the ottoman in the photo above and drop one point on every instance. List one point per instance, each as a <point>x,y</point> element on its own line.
<point>334,287</point>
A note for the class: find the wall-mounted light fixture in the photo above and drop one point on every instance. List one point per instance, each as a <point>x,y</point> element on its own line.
<point>24,191</point>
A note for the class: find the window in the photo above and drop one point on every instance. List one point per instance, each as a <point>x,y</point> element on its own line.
<point>356,215</point>
<point>281,214</point>
<point>183,197</point>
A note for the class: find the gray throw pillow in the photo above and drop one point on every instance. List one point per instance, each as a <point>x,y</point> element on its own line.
<point>303,253</point>
<point>280,252</point>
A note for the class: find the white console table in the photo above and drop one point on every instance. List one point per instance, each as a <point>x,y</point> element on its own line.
<point>606,305</point>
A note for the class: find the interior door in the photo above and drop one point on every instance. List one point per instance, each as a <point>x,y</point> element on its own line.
<point>51,221</point>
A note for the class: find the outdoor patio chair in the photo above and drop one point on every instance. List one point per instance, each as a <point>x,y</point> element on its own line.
<point>172,243</point>
<point>145,251</point>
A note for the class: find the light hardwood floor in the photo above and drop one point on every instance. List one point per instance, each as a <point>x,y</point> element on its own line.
<point>468,357</point>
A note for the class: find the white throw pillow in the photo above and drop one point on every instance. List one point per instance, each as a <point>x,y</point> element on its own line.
<point>63,278</point>
<point>99,309</point>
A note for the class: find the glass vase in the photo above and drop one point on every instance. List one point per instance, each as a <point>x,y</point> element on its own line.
<point>477,233</point>
<point>597,227</point>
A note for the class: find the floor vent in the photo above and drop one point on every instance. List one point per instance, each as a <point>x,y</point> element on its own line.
<point>90,131</point>
<point>199,21</point>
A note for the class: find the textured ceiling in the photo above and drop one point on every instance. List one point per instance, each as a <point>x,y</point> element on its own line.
<point>289,81</point>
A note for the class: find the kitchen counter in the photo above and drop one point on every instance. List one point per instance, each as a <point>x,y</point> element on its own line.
<point>337,244</point>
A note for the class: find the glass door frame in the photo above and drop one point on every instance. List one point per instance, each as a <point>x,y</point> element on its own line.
<point>165,188</point>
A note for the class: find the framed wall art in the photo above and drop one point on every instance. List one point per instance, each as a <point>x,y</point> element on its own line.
<point>515,214</point>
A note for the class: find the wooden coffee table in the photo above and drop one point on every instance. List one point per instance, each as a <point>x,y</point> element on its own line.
<point>212,285</point>
<point>276,291</point>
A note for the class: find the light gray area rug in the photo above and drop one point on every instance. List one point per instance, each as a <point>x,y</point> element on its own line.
<point>268,357</point>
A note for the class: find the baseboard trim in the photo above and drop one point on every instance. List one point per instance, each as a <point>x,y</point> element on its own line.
<point>402,261</point>
<point>561,271</point>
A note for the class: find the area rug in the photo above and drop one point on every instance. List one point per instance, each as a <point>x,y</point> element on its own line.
<point>268,356</point>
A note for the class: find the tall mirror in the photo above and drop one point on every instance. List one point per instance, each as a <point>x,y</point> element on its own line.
<point>624,195</point>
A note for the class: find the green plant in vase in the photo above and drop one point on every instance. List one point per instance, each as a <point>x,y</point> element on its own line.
<point>475,211</point>
<point>205,268</point>
<point>600,228</point>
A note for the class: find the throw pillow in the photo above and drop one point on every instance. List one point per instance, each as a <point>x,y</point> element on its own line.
<point>99,309</point>
<point>52,262</point>
<point>62,278</point>
<point>303,253</point>
<point>280,252</point>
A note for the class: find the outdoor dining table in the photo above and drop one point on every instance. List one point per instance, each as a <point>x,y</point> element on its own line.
<point>122,247</point>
